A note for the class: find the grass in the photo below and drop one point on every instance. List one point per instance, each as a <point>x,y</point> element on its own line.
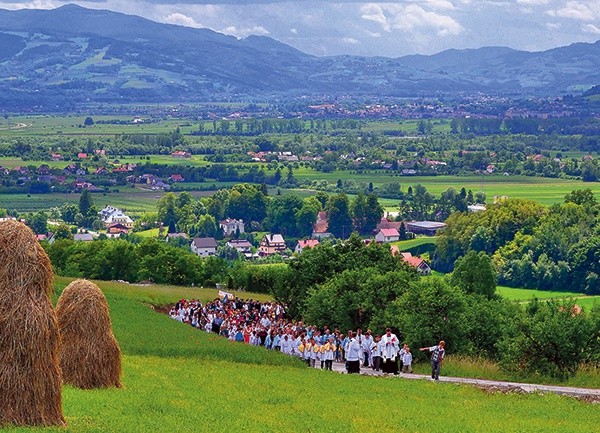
<point>150,233</point>
<point>515,294</point>
<point>412,243</point>
<point>179,379</point>
<point>524,295</point>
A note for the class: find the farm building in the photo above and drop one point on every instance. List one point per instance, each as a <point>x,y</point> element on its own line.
<point>429,228</point>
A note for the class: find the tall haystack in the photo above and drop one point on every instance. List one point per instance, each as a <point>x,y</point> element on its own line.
<point>30,378</point>
<point>90,355</point>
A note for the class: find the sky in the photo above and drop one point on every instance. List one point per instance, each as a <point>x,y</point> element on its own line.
<point>384,28</point>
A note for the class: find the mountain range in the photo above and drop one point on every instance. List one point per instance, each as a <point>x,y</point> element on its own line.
<point>72,55</point>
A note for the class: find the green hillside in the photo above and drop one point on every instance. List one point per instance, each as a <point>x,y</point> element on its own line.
<point>177,379</point>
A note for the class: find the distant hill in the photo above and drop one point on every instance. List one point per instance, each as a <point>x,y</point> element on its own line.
<point>72,55</point>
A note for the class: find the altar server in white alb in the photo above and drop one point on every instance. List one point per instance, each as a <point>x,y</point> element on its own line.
<point>376,353</point>
<point>354,354</point>
<point>287,345</point>
<point>389,352</point>
<point>328,353</point>
<point>366,345</point>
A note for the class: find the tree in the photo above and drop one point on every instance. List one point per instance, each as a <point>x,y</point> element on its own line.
<point>548,338</point>
<point>86,209</point>
<point>247,202</point>
<point>86,203</point>
<point>582,197</point>
<point>206,227</point>
<point>88,121</point>
<point>366,213</point>
<point>38,223</point>
<point>68,212</point>
<point>474,273</point>
<point>282,214</point>
<point>430,310</point>
<point>167,209</point>
<point>62,231</point>
<point>340,222</point>
<point>402,231</point>
<point>307,216</point>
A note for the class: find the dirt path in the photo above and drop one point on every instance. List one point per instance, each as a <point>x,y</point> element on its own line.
<point>492,385</point>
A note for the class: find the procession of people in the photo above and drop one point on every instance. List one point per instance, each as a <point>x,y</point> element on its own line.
<point>266,324</point>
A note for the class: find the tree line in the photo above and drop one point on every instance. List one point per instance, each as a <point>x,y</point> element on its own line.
<point>555,248</point>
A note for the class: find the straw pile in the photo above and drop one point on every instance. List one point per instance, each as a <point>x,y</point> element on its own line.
<point>30,379</point>
<point>90,355</point>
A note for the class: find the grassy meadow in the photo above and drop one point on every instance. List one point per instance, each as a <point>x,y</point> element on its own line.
<point>177,379</point>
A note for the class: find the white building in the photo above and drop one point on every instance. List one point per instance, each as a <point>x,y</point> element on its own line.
<point>111,215</point>
<point>387,235</point>
<point>204,247</point>
<point>230,226</point>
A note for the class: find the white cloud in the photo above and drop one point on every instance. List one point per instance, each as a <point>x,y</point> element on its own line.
<point>586,10</point>
<point>294,31</point>
<point>409,18</point>
<point>350,41</point>
<point>533,2</point>
<point>181,20</point>
<point>35,4</point>
<point>553,26</point>
<point>440,4</point>
<point>242,32</point>
<point>373,34</point>
<point>590,28</point>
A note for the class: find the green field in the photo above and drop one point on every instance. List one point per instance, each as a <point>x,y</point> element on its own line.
<point>411,243</point>
<point>546,191</point>
<point>527,294</point>
<point>48,125</point>
<point>132,201</point>
<point>177,379</point>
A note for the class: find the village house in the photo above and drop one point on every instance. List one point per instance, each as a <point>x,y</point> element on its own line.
<point>204,247</point>
<point>49,236</point>
<point>387,235</point>
<point>118,229</point>
<point>271,244</point>
<point>306,243</point>
<point>416,262</point>
<point>181,154</point>
<point>243,247</point>
<point>83,237</point>
<point>321,226</point>
<point>230,226</point>
<point>173,236</point>
<point>176,178</point>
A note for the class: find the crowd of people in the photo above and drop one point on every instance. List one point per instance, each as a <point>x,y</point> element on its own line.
<point>266,324</point>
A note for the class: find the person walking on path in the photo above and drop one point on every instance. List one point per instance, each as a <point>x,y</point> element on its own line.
<point>389,352</point>
<point>437,357</point>
<point>353,355</point>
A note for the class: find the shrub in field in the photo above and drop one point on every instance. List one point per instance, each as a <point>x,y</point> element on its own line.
<point>548,338</point>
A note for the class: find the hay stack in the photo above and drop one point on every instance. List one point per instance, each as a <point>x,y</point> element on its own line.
<point>90,355</point>
<point>30,379</point>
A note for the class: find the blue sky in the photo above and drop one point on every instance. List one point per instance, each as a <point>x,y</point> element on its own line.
<point>385,28</point>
